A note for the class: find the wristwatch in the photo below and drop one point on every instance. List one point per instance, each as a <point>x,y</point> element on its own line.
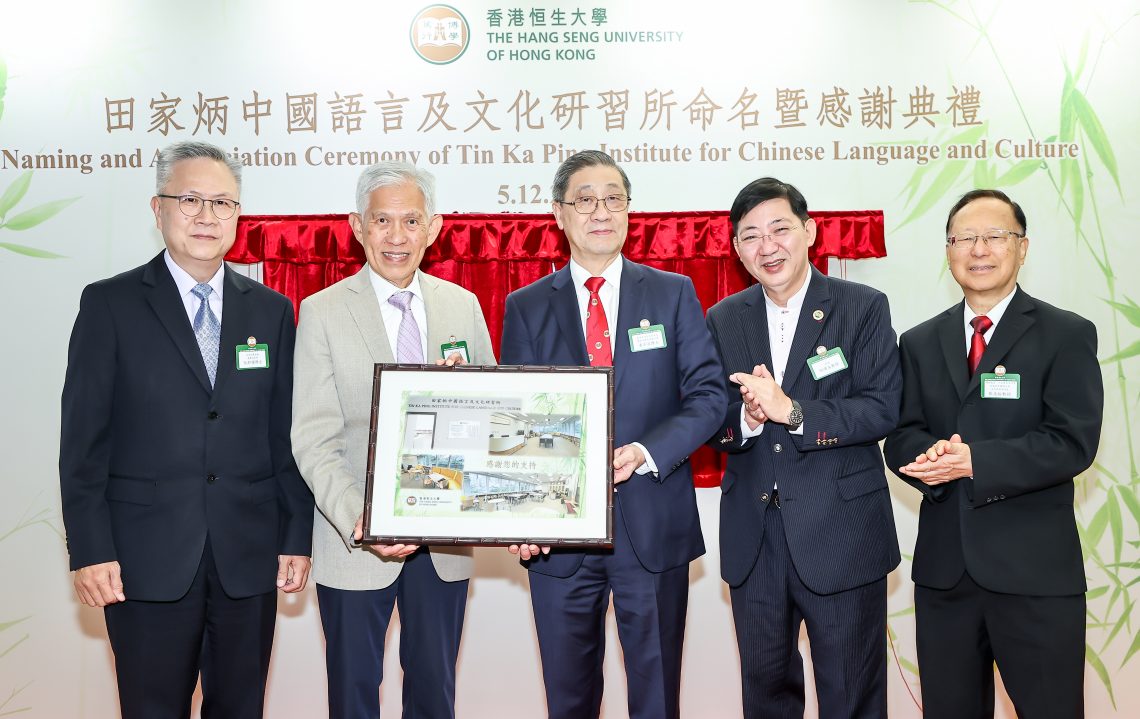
<point>795,417</point>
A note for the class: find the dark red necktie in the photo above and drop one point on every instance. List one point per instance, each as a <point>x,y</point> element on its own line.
<point>597,328</point>
<point>981,324</point>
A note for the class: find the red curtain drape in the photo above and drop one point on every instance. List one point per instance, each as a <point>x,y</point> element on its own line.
<point>494,254</point>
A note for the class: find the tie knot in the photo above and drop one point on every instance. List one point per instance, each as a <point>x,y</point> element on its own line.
<point>401,299</point>
<point>594,283</point>
<point>202,290</point>
<point>982,324</point>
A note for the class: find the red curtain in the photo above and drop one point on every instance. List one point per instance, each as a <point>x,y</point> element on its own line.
<point>492,255</point>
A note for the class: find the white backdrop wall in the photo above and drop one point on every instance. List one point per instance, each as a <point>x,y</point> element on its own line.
<point>830,84</point>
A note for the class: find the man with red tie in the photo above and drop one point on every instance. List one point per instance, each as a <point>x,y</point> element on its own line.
<point>1002,404</point>
<point>601,310</point>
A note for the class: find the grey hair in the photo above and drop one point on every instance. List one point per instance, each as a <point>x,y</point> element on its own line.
<point>579,161</point>
<point>171,155</point>
<point>387,174</point>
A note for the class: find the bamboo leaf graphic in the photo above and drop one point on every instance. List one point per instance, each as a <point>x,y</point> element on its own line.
<point>36,215</point>
<point>945,179</point>
<point>1128,494</point>
<point>1018,173</point>
<point>908,665</point>
<point>1115,523</point>
<point>1135,647</point>
<point>15,192</point>
<point>1096,592</point>
<point>1130,351</point>
<point>30,251</point>
<point>1098,666</point>
<point>1131,311</point>
<point>1071,176</point>
<point>1097,526</point>
<point>1096,135</point>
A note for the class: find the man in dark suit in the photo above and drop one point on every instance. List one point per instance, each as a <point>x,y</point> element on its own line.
<point>1002,404</point>
<point>183,508</point>
<point>806,530</point>
<point>668,396</point>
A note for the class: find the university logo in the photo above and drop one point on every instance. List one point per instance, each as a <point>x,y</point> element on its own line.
<point>440,34</point>
<point>411,501</point>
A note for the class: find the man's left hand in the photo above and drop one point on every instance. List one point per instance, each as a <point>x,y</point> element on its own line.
<point>762,395</point>
<point>293,572</point>
<point>945,461</point>
<point>626,461</point>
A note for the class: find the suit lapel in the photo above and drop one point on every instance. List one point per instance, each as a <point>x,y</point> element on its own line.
<point>564,305</point>
<point>631,310</point>
<point>365,310</point>
<point>952,337</point>
<point>438,327</point>
<point>754,318</point>
<point>1012,326</point>
<point>808,328</point>
<point>162,295</point>
<point>235,326</point>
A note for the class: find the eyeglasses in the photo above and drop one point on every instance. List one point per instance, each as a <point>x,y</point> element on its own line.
<point>997,239</point>
<point>587,204</point>
<point>777,235</point>
<point>191,205</point>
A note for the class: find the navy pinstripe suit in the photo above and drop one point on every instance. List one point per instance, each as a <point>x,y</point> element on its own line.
<point>833,536</point>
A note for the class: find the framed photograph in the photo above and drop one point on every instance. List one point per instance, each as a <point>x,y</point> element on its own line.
<point>490,456</point>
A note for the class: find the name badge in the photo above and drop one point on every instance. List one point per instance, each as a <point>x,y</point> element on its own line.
<point>648,337</point>
<point>827,363</point>
<point>449,348</point>
<point>255,356</point>
<point>1001,386</point>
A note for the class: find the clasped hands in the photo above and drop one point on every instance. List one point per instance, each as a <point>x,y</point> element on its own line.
<point>945,461</point>
<point>763,398</point>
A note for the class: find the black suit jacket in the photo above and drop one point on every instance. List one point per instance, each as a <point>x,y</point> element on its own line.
<point>1011,525</point>
<point>152,459</point>
<point>667,399</point>
<point>833,490</point>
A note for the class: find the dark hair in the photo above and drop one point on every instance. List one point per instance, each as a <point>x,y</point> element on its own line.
<point>579,161</point>
<point>762,190</point>
<point>1018,213</point>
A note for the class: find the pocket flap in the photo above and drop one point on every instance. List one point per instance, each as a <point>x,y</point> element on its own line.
<point>862,482</point>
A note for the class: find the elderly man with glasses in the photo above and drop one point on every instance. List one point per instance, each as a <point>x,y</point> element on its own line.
<point>183,508</point>
<point>1002,404</point>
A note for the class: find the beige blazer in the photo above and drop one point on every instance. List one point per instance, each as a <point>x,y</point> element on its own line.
<point>340,335</point>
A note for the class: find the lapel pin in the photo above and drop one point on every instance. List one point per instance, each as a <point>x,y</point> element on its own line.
<point>251,341</point>
<point>999,370</point>
<point>645,324</point>
<point>817,315</point>
<point>452,339</point>
<point>821,350</point>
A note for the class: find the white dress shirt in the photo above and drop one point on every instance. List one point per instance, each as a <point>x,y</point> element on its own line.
<point>185,284</point>
<point>994,314</point>
<point>393,315</point>
<point>608,293</point>
<point>782,323</point>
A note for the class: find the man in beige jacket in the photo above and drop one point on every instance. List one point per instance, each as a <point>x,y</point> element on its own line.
<point>387,312</point>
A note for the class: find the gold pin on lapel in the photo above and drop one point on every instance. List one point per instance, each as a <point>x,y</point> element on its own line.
<point>817,315</point>
<point>251,341</point>
<point>645,324</point>
<point>999,370</point>
<point>821,350</point>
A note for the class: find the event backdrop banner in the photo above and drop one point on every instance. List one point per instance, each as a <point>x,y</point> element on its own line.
<point>888,105</point>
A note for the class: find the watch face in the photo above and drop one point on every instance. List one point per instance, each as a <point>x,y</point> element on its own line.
<point>796,416</point>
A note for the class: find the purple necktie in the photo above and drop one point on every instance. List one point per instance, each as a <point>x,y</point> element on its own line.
<point>408,348</point>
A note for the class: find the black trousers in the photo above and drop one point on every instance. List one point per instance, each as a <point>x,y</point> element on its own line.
<point>161,647</point>
<point>847,631</point>
<point>1038,644</point>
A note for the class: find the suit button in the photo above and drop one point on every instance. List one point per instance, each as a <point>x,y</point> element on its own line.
<point>211,477</point>
<point>764,497</point>
<point>778,447</point>
<point>212,415</point>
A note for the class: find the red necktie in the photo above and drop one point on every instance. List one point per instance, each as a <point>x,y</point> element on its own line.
<point>981,324</point>
<point>597,328</point>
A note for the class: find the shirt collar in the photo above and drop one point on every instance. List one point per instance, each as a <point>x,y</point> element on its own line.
<point>185,283</point>
<point>385,289</point>
<point>995,313</point>
<point>795,302</point>
<point>612,274</point>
